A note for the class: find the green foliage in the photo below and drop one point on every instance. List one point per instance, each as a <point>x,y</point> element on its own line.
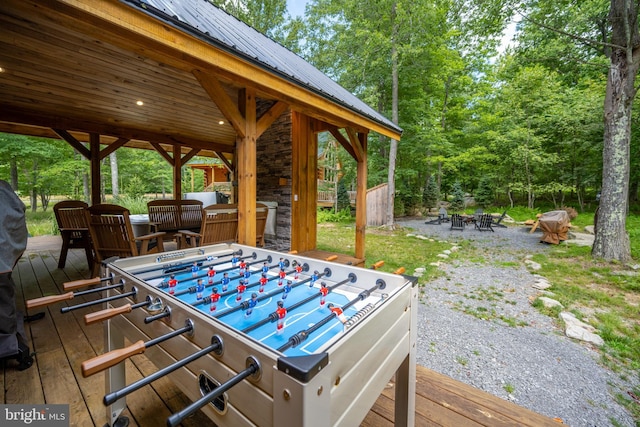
<point>484,193</point>
<point>343,200</point>
<point>135,187</point>
<point>457,197</point>
<point>136,204</point>
<point>431,193</point>
<point>342,216</point>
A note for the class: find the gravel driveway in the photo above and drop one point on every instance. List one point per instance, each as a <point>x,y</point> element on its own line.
<point>476,325</point>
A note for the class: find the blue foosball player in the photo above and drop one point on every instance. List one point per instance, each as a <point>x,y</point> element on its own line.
<point>199,289</point>
<point>194,269</point>
<point>251,303</point>
<point>225,282</point>
<point>287,288</point>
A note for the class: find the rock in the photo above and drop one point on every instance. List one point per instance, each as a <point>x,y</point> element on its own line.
<point>589,229</point>
<point>579,330</point>
<point>421,237</point>
<point>420,270</point>
<point>455,248</point>
<point>532,264</point>
<point>445,256</point>
<point>446,251</point>
<point>541,284</point>
<point>550,303</point>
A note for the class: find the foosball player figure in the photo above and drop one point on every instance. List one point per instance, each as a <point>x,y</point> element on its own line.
<point>247,275</point>
<point>240,289</point>
<point>243,267</point>
<point>263,282</point>
<point>251,303</point>
<point>281,264</point>
<point>282,313</point>
<point>314,277</point>
<point>324,291</point>
<point>298,271</point>
<point>281,275</point>
<point>194,269</point>
<point>265,268</point>
<point>199,289</point>
<point>234,260</point>
<point>338,312</point>
<point>287,288</point>
<point>225,282</point>
<point>215,297</point>
<point>211,274</point>
<point>173,282</point>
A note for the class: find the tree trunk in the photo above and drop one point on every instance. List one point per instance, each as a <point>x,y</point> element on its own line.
<point>612,240</point>
<point>115,190</point>
<point>393,147</point>
<point>14,174</point>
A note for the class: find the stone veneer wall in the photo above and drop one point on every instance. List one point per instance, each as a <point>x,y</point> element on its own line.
<point>274,154</point>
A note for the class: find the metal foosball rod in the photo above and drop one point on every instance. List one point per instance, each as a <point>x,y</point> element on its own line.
<point>216,347</point>
<point>274,315</point>
<point>187,267</point>
<point>51,299</point>
<point>132,293</point>
<point>253,369</point>
<point>301,336</point>
<point>108,313</point>
<point>109,359</point>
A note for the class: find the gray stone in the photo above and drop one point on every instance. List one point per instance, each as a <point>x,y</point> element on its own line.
<point>550,303</point>
<point>579,330</point>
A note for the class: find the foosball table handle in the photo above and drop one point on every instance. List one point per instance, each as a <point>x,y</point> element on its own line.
<point>401,270</point>
<point>76,284</point>
<point>105,314</point>
<point>107,360</point>
<point>51,299</point>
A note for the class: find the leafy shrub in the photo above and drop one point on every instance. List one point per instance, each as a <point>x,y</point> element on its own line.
<point>571,211</point>
<point>328,215</point>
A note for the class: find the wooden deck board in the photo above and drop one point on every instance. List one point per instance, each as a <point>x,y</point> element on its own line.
<point>62,342</point>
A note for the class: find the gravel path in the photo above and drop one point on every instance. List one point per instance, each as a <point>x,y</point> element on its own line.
<point>476,325</point>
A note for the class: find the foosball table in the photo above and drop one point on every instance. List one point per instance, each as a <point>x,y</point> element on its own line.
<point>257,337</point>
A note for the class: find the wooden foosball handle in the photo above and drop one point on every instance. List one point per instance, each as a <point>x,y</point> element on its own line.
<point>401,270</point>
<point>42,301</point>
<point>377,265</point>
<point>70,286</point>
<point>331,258</point>
<point>107,360</point>
<point>105,314</point>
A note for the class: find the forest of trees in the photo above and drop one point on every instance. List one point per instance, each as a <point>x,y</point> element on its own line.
<point>521,120</point>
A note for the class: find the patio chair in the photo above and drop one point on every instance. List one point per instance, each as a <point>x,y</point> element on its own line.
<point>457,222</point>
<point>498,222</point>
<point>74,229</point>
<point>477,215</point>
<point>261,223</point>
<point>485,222</point>
<point>442,217</point>
<point>112,234</point>
<point>219,225</point>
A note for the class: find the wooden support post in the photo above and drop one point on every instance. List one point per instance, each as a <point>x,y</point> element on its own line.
<point>94,149</point>
<point>246,167</point>
<point>177,172</point>
<point>361,196</point>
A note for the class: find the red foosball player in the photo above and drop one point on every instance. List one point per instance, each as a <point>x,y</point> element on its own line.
<point>263,282</point>
<point>242,266</point>
<point>173,282</point>
<point>281,275</point>
<point>298,271</point>
<point>338,312</point>
<point>211,274</point>
<point>240,289</point>
<point>282,313</point>
<point>324,291</point>
<point>215,297</point>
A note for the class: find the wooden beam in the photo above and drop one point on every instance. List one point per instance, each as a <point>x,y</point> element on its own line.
<point>224,160</point>
<point>246,166</point>
<point>94,148</point>
<point>361,197</point>
<point>343,141</point>
<point>271,116</point>
<point>112,147</point>
<point>177,172</point>
<point>190,155</point>
<point>163,153</point>
<point>66,136</point>
<point>216,92</point>
<point>357,147</point>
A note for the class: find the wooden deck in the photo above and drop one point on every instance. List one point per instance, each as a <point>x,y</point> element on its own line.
<point>62,342</point>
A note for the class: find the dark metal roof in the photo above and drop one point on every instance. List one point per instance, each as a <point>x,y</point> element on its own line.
<point>209,23</point>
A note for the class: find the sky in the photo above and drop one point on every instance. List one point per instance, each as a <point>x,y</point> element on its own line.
<point>296,7</point>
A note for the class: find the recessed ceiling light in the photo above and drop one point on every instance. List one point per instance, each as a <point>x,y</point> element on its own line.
<point>221,122</point>
<point>1,70</point>
<point>140,103</point>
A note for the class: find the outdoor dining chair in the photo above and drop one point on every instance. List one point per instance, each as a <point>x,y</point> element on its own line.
<point>74,229</point>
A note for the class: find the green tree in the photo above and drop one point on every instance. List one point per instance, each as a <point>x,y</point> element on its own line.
<point>457,197</point>
<point>343,201</point>
<point>431,194</point>
<point>484,193</point>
